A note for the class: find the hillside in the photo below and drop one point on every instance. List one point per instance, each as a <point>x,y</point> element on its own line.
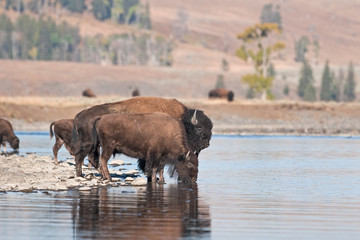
<point>334,23</point>
<point>211,38</point>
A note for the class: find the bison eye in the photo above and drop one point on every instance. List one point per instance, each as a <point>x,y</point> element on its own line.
<point>189,165</point>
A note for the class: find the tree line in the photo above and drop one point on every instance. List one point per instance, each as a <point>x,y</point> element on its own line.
<point>334,87</point>
<point>131,12</point>
<point>42,39</point>
<point>259,43</point>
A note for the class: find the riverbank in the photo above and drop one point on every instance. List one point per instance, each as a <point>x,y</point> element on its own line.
<point>32,172</point>
<point>241,117</point>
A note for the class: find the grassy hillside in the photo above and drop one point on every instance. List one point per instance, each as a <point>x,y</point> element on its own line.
<point>197,59</point>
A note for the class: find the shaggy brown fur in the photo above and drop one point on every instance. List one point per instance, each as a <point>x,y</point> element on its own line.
<point>197,125</point>
<point>62,129</point>
<point>157,138</point>
<point>7,134</point>
<point>222,93</point>
<point>88,93</point>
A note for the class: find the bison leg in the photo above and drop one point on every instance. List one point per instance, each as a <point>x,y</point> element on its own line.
<point>103,165</point>
<point>94,158</point>
<point>79,159</point>
<point>161,176</point>
<point>58,144</point>
<point>153,175</point>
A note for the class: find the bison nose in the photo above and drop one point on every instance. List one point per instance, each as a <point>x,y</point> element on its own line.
<point>194,179</point>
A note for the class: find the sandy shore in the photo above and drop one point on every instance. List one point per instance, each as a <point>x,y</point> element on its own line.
<point>241,117</point>
<point>31,172</point>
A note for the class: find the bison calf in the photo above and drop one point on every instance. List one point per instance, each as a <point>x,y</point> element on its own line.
<point>7,134</point>
<point>157,138</point>
<point>62,130</point>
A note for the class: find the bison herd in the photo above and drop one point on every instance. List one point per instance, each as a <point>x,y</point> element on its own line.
<point>156,131</point>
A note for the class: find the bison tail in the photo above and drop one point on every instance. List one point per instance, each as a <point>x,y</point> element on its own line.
<point>51,130</point>
<point>74,136</point>
<point>95,134</point>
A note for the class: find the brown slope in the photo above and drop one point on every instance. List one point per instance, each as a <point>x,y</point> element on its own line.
<point>334,23</point>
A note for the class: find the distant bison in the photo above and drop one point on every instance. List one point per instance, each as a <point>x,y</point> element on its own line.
<point>88,93</point>
<point>222,93</point>
<point>62,129</point>
<point>7,135</point>
<point>157,138</point>
<point>136,92</point>
<point>197,125</point>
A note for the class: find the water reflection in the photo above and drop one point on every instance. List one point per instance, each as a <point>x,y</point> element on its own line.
<point>153,212</point>
<point>254,187</point>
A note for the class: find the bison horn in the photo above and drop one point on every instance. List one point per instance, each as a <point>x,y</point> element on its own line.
<point>193,119</point>
<point>187,156</point>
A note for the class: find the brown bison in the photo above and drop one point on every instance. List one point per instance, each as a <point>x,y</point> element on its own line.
<point>88,93</point>
<point>62,129</point>
<point>7,135</point>
<point>157,138</point>
<point>136,92</point>
<point>222,93</point>
<point>197,125</point>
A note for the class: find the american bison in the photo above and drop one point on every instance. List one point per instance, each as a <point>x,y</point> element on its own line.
<point>88,93</point>
<point>7,134</point>
<point>62,129</point>
<point>222,93</point>
<point>135,93</point>
<point>197,125</point>
<point>157,138</point>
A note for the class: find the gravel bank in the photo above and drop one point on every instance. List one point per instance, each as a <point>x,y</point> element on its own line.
<point>31,172</point>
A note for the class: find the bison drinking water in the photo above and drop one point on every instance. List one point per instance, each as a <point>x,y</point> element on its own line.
<point>7,134</point>
<point>62,130</point>
<point>157,138</point>
<point>197,125</point>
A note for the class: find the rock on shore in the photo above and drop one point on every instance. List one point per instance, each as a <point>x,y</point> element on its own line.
<point>31,172</point>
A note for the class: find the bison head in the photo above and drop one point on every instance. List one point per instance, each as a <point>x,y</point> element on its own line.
<point>15,143</point>
<point>187,168</point>
<point>198,130</point>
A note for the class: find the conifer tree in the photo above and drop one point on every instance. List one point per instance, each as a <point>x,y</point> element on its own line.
<point>6,29</point>
<point>335,90</point>
<point>326,84</point>
<point>301,48</point>
<point>306,78</point>
<point>350,85</point>
<point>310,93</point>
<point>268,15</point>
<point>220,83</point>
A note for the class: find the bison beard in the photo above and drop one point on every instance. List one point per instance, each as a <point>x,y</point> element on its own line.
<point>198,133</point>
<point>157,138</point>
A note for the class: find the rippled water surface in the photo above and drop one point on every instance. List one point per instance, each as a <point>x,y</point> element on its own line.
<point>248,188</point>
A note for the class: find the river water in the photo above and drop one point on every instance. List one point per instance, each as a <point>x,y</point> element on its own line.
<point>248,188</point>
